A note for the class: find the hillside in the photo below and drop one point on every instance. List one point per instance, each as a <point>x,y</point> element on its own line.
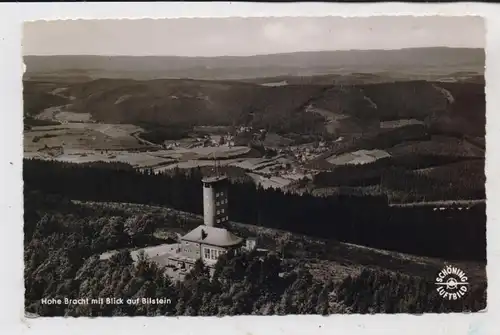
<point>64,241</point>
<point>445,107</point>
<point>327,259</point>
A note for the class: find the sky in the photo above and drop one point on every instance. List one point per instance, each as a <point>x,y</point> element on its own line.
<point>247,36</point>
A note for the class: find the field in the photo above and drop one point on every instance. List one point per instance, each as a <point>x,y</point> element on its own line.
<point>398,123</point>
<point>358,157</point>
<point>84,136</point>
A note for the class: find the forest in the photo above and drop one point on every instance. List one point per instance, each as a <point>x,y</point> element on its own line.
<point>402,185</point>
<point>63,242</point>
<point>363,220</point>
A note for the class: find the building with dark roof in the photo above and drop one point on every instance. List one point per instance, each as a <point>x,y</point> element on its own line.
<point>208,241</point>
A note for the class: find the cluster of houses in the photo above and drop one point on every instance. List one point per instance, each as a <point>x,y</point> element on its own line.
<point>305,153</point>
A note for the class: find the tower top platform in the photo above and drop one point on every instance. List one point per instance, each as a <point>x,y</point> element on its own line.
<point>214,179</point>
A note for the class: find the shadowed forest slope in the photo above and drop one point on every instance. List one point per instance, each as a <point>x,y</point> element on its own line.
<point>445,107</point>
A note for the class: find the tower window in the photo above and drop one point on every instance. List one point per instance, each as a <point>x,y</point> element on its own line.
<point>218,221</point>
<point>222,211</point>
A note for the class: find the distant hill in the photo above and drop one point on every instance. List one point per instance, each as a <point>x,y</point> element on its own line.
<point>450,108</point>
<point>422,61</point>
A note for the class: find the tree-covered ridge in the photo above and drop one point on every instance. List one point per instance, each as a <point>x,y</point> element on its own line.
<point>63,241</point>
<point>362,219</point>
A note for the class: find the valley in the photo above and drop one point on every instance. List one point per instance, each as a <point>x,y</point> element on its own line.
<point>278,135</point>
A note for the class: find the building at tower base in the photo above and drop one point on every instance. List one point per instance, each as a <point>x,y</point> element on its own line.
<point>210,240</point>
<point>206,242</point>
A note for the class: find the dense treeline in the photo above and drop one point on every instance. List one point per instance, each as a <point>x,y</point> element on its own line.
<point>402,185</point>
<point>159,134</point>
<point>365,220</point>
<point>375,292</point>
<point>32,122</point>
<point>464,181</point>
<point>61,261</point>
<point>36,100</point>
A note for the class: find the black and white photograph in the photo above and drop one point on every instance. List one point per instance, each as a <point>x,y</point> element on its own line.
<point>254,166</point>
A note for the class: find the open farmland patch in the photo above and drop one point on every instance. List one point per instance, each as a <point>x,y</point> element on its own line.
<point>270,182</point>
<point>204,153</point>
<point>136,159</point>
<point>275,84</point>
<point>83,136</point>
<point>64,116</point>
<point>399,123</point>
<point>117,130</point>
<point>256,163</point>
<point>49,113</point>
<point>359,157</point>
<point>194,163</point>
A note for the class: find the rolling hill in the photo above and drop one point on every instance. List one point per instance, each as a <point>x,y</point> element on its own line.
<point>444,107</point>
<point>427,61</point>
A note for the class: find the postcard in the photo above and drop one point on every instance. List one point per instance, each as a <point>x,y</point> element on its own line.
<point>254,166</point>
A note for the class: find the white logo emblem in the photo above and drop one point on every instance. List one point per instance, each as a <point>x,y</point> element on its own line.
<point>451,283</point>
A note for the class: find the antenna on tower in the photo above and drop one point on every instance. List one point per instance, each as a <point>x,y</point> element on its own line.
<point>215,165</point>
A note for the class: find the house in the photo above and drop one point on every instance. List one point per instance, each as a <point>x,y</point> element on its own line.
<point>208,241</point>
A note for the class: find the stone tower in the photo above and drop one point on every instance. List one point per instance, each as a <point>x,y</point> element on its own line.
<point>215,201</point>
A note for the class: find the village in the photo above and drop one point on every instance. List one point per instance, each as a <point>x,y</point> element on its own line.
<point>269,164</point>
